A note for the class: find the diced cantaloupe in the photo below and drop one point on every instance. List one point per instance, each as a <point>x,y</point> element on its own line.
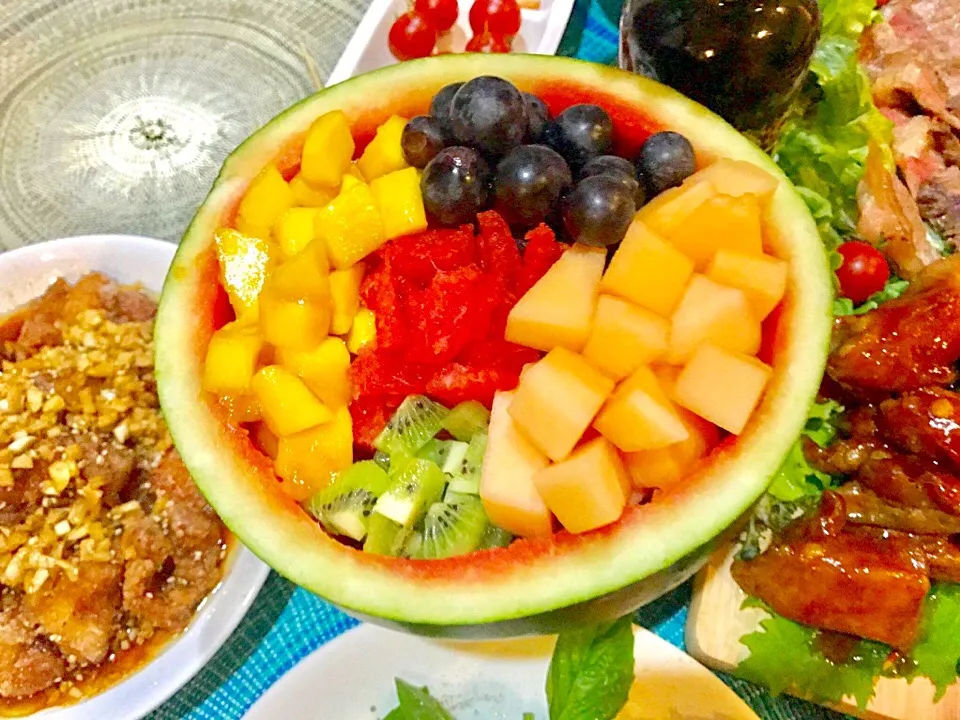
<point>294,230</point>
<point>624,336</point>
<point>722,386</point>
<point>557,399</point>
<point>722,222</point>
<point>670,209</point>
<point>400,202</point>
<point>558,310</point>
<point>667,377</point>
<point>325,369</point>
<point>327,150</point>
<point>648,271</point>
<point>384,154</point>
<point>588,489</point>
<point>267,197</point>
<point>287,404</point>
<point>665,467</point>
<point>345,295</point>
<point>231,359</point>
<point>307,460</point>
<point>640,416</point>
<point>762,278</point>
<point>713,313</point>
<point>737,177</point>
<point>506,479</point>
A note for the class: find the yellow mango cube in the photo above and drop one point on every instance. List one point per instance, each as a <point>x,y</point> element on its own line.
<point>294,230</point>
<point>398,197</point>
<point>345,292</point>
<point>287,404</point>
<point>350,226</point>
<point>353,172</point>
<point>266,199</point>
<point>363,331</point>
<point>304,276</point>
<point>231,359</point>
<point>325,369</point>
<point>327,150</point>
<point>237,409</point>
<point>384,154</point>
<point>244,263</point>
<point>296,324</point>
<point>247,228</point>
<point>306,195</point>
<point>307,460</point>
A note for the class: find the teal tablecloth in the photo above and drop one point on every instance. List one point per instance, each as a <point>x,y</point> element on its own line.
<point>288,623</point>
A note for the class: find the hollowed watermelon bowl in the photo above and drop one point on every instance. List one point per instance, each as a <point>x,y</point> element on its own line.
<point>534,585</point>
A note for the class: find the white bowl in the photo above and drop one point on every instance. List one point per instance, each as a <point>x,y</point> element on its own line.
<point>24,274</point>
<point>540,33</point>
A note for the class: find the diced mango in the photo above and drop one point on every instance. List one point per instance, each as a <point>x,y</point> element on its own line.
<point>640,416</point>
<point>307,460</point>
<point>363,331</point>
<point>351,179</point>
<point>722,387</point>
<point>722,222</point>
<point>345,292</point>
<point>327,150</point>
<point>245,227</point>
<point>293,324</point>
<point>350,226</point>
<point>304,276</point>
<point>587,490</point>
<point>761,277</point>
<point>737,177</point>
<point>506,477</point>
<point>557,399</point>
<point>398,197</point>
<point>287,404</point>
<point>306,195</point>
<point>712,313</point>
<point>244,264</point>
<point>231,359</point>
<point>294,230</point>
<point>264,440</point>
<point>324,368</point>
<point>237,409</point>
<point>384,154</point>
<point>665,467</point>
<point>648,271</point>
<point>558,310</point>
<point>670,209</point>
<point>624,336</point>
<point>266,199</point>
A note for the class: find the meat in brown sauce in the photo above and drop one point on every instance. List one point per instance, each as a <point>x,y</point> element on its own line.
<point>106,545</point>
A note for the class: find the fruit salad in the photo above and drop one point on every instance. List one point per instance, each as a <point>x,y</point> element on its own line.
<point>486,325</point>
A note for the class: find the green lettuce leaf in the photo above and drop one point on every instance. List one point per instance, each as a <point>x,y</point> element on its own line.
<point>796,477</point>
<point>417,704</point>
<point>894,288</point>
<point>936,657</point>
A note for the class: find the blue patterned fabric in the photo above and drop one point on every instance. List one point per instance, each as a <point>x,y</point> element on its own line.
<point>286,624</point>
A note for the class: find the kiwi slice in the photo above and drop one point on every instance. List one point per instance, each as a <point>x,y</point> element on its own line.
<point>412,426</point>
<point>344,506</point>
<point>494,537</point>
<point>465,477</point>
<point>466,420</point>
<point>412,490</point>
<point>382,459</point>
<point>384,536</point>
<point>453,527</point>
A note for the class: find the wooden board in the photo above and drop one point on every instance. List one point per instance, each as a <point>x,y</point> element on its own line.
<point>716,623</point>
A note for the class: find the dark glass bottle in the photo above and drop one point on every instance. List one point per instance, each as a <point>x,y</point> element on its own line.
<point>744,59</point>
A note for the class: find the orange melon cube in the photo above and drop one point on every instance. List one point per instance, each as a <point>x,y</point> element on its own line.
<point>648,271</point>
<point>587,490</point>
<point>557,399</point>
<point>762,278</point>
<point>667,377</point>
<point>737,177</point>
<point>723,387</point>
<point>306,461</point>
<point>665,467</point>
<point>713,313</point>
<point>671,208</point>
<point>624,337</point>
<point>506,478</point>
<point>722,222</point>
<point>558,310</point>
<point>640,416</point>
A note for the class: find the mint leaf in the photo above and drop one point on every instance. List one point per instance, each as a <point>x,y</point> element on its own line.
<point>591,672</point>
<point>417,704</point>
<point>936,656</point>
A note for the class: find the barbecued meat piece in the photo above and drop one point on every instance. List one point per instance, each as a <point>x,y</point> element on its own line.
<point>926,423</point>
<point>905,344</point>
<point>28,664</point>
<point>865,586</point>
<point>866,507</point>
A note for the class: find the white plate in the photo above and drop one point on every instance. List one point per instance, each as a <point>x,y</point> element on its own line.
<point>352,678</point>
<point>540,34</point>
<point>24,274</point>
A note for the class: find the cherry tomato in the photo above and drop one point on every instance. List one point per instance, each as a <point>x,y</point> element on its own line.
<point>411,36</point>
<point>441,14</point>
<point>863,272</point>
<point>487,42</point>
<point>500,17</point>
